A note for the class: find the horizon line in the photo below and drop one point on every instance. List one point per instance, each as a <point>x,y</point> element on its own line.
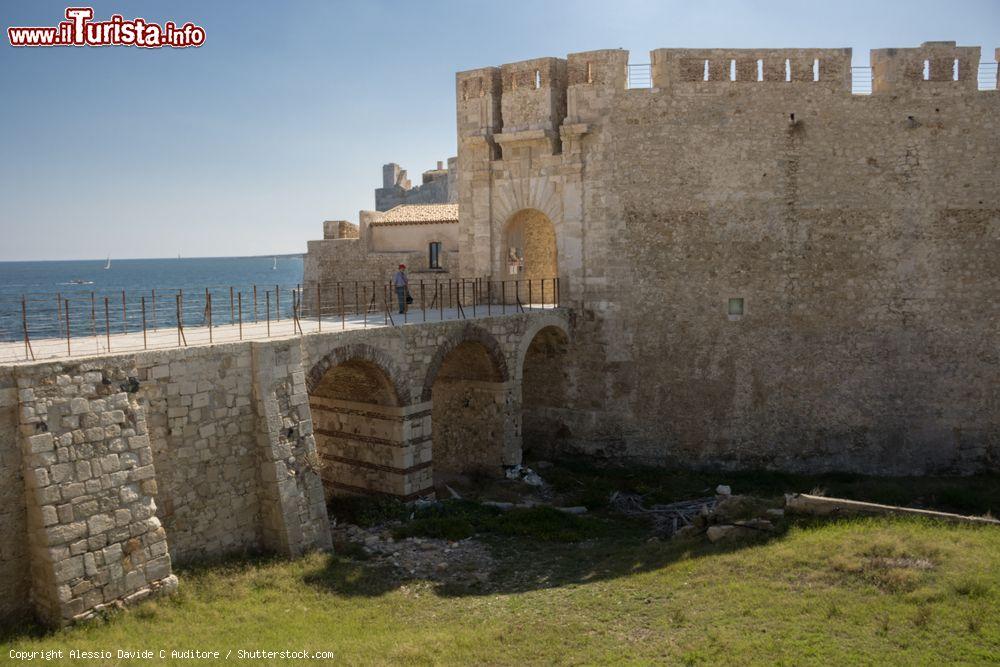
<point>130,259</point>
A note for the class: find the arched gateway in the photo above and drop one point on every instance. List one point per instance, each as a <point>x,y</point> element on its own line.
<point>529,247</point>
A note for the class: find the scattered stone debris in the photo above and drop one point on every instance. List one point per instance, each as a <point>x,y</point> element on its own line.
<point>667,519</point>
<point>526,475</point>
<point>465,562</point>
<point>721,517</point>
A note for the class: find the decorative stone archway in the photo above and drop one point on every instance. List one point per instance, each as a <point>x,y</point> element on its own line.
<point>368,437</point>
<point>529,250</point>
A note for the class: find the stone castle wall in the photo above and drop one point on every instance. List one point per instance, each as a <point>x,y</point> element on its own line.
<point>860,232</point>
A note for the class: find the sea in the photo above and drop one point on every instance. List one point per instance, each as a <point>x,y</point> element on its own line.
<point>154,288</point>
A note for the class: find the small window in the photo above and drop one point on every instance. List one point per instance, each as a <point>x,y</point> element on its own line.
<point>736,306</point>
<point>434,255</point>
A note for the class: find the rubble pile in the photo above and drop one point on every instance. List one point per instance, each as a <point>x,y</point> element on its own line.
<point>465,562</point>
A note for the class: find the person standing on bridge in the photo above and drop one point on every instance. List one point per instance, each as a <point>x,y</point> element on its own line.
<point>402,284</point>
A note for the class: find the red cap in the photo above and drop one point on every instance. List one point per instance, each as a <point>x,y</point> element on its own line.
<point>402,266</point>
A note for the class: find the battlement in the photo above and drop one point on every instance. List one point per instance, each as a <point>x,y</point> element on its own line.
<point>531,100</point>
<point>824,69</point>
<point>936,66</point>
<point>533,94</point>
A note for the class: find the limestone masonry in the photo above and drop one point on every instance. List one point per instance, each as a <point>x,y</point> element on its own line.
<point>115,467</point>
<point>756,268</point>
<point>763,268</point>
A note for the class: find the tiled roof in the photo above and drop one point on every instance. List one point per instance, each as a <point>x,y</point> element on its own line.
<point>418,214</point>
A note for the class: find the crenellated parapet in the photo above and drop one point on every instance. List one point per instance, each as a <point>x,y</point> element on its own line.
<point>534,95</point>
<point>940,67</point>
<point>685,69</point>
<point>593,79</point>
<point>477,93</point>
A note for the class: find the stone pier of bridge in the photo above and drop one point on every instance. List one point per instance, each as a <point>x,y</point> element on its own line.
<point>115,467</point>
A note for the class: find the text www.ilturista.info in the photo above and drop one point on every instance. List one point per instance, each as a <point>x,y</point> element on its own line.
<point>79,30</point>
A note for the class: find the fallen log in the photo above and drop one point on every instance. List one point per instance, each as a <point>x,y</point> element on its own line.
<point>802,503</point>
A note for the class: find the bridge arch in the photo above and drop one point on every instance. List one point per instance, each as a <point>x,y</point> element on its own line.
<point>536,325</point>
<point>360,405</point>
<point>469,334</point>
<point>475,420</point>
<point>546,385</point>
<point>366,359</point>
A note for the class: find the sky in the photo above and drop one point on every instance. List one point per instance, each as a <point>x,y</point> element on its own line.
<point>284,117</point>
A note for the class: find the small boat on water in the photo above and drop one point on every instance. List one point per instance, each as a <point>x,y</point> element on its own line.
<point>275,265</point>
<point>108,265</point>
<point>81,281</point>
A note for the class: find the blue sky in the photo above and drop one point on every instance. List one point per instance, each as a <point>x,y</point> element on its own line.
<point>286,114</point>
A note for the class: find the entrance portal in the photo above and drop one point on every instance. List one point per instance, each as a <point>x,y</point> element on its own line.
<point>529,251</point>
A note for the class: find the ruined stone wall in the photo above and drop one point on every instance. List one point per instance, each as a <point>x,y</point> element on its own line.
<point>437,187</point>
<point>860,232</point>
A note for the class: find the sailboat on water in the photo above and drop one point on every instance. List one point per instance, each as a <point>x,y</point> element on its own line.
<point>275,265</point>
<point>108,265</point>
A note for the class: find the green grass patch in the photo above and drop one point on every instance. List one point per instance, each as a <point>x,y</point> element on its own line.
<point>823,593</point>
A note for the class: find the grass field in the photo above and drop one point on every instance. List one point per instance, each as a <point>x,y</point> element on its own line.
<point>598,590</point>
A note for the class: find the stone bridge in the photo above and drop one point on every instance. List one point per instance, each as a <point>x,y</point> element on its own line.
<point>240,444</point>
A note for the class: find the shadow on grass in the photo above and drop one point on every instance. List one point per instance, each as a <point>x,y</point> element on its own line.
<point>537,549</point>
<point>531,550</point>
<point>544,549</point>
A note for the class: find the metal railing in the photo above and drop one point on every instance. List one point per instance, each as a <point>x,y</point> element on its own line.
<point>60,324</point>
<point>861,80</point>
<point>987,76</point>
<point>640,76</point>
